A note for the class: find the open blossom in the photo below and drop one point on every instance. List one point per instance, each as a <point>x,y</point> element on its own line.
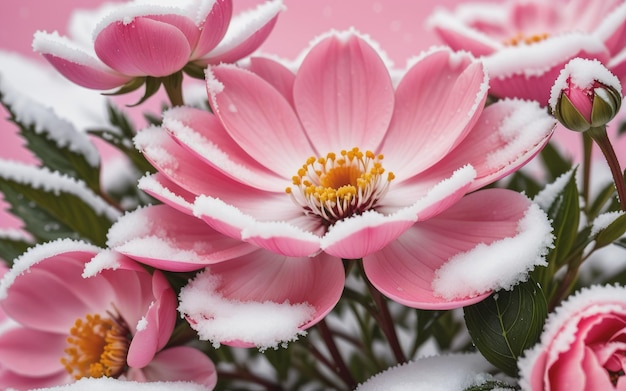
<point>526,43</point>
<point>114,323</point>
<point>337,162</point>
<point>582,346</point>
<point>157,39</point>
<point>585,95</point>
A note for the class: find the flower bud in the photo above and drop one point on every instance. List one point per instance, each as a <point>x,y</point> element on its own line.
<point>585,95</point>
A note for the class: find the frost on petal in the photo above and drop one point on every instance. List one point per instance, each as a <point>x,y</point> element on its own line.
<point>499,265</point>
<point>41,252</point>
<point>105,260</point>
<point>221,320</point>
<point>442,373</point>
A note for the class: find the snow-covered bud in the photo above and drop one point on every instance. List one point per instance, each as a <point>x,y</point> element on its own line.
<point>585,95</point>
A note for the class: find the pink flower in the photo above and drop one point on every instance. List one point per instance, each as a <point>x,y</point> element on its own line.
<point>526,43</point>
<point>336,161</point>
<point>155,39</point>
<point>585,95</point>
<point>115,323</point>
<point>582,346</point>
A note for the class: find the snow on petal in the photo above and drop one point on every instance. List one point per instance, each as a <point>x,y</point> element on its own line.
<point>482,269</point>
<point>54,182</point>
<point>282,237</point>
<point>452,372</point>
<point>220,320</point>
<point>108,383</point>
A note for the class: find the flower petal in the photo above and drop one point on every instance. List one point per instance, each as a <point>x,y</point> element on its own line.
<point>166,191</point>
<point>75,64</point>
<point>424,264</point>
<point>437,102</point>
<point>213,27</point>
<point>32,352</point>
<point>164,238</point>
<point>143,47</point>
<point>343,94</point>
<point>246,32</point>
<point>275,73</point>
<point>182,363</point>
<point>262,298</point>
<point>459,36</point>
<point>258,118</point>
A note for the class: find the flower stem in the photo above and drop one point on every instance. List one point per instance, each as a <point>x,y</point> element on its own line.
<point>340,366</point>
<point>600,137</point>
<point>587,146</point>
<point>174,87</point>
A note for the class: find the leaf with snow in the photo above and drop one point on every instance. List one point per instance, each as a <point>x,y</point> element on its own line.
<point>53,205</point>
<point>612,229</point>
<point>13,243</point>
<point>55,141</point>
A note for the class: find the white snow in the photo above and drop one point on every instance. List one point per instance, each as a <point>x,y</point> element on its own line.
<point>548,194</point>
<point>34,95</point>
<point>452,372</point>
<point>143,322</point>
<point>582,73</point>
<point>219,319</point>
<point>39,253</point>
<point>499,265</point>
<point>55,183</point>
<point>559,331</point>
<point>107,384</point>
<point>127,12</point>
<point>104,260</point>
<point>603,221</point>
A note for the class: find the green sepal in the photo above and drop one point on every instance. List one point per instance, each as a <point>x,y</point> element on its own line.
<point>194,70</point>
<point>568,115</point>
<point>130,86</point>
<point>152,86</point>
<point>606,104</point>
<point>507,323</point>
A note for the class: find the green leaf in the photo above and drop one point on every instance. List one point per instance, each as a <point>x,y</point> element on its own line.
<point>612,232</point>
<point>12,246</point>
<point>555,164</point>
<point>507,323</point>
<point>54,206</point>
<point>56,143</point>
<point>491,385</point>
<point>521,182</point>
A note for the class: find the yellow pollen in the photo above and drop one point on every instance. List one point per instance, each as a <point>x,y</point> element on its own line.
<point>520,39</point>
<point>337,187</point>
<point>97,347</point>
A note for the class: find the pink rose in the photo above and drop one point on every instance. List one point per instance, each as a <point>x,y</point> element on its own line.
<point>583,345</point>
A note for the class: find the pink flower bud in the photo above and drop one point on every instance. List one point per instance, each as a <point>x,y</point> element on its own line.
<point>585,95</point>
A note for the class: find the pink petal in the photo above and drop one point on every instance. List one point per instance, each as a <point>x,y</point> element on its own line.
<point>259,119</point>
<point>213,27</point>
<point>160,320</point>
<point>343,94</point>
<point>12,380</point>
<point>164,238</point>
<point>202,134</point>
<point>405,269</point>
<point>459,36</point>
<point>166,191</point>
<point>508,134</point>
<point>437,102</point>
<point>62,295</point>
<point>247,31</point>
<point>279,76</point>
<point>143,47</point>
<point>31,352</point>
<point>263,276</point>
<point>610,17</point>
<point>181,363</point>
<point>76,64</point>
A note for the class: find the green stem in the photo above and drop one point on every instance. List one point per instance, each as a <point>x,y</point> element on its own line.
<point>600,137</point>
<point>174,87</point>
<point>587,147</point>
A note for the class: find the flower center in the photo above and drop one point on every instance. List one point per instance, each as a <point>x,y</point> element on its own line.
<point>97,347</point>
<point>522,39</point>
<point>338,186</point>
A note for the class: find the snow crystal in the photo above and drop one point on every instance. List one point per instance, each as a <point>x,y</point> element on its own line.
<point>102,261</point>
<point>548,194</point>
<point>219,319</point>
<point>442,373</point>
<point>33,95</point>
<point>151,185</point>
<point>61,46</point>
<point>127,12</point>
<point>582,73</point>
<point>142,323</point>
<point>54,182</point>
<point>108,383</point>
<point>561,327</point>
<point>39,253</point>
<point>538,58</point>
<point>603,221</point>
<point>499,265</point>
<point>245,24</point>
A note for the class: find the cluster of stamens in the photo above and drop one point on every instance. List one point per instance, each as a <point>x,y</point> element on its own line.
<point>340,185</point>
<point>520,39</point>
<point>97,347</point>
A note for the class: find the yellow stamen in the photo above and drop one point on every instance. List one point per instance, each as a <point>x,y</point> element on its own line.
<point>340,185</point>
<point>97,347</point>
<point>521,38</point>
